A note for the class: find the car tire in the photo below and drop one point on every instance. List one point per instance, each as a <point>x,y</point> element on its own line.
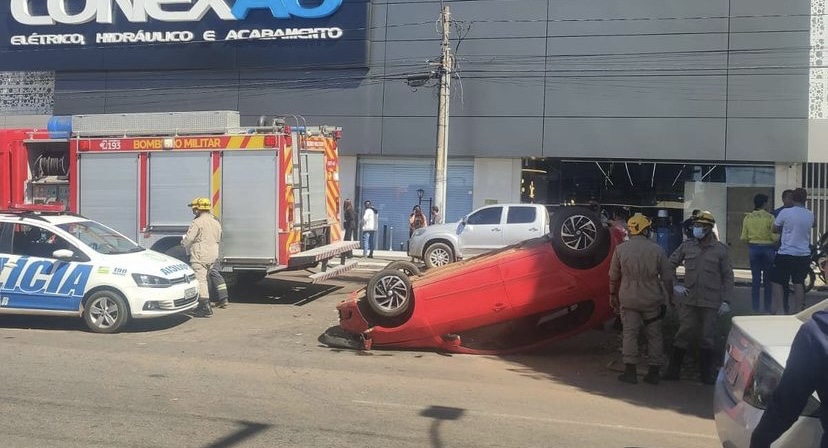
<point>438,254</point>
<point>106,311</point>
<point>580,239</point>
<point>389,293</point>
<point>410,269</point>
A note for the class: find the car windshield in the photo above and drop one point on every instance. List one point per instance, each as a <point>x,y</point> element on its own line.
<point>100,238</point>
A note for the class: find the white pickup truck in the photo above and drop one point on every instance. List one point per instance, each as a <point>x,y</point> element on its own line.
<point>483,230</point>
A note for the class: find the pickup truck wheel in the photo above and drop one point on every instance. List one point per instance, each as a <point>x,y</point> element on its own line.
<point>438,254</point>
<point>408,268</point>
<point>389,293</point>
<point>579,238</point>
<point>105,312</point>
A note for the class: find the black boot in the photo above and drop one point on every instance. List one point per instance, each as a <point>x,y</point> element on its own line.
<point>652,376</point>
<point>707,374</point>
<point>674,368</point>
<point>204,309</point>
<point>629,375</point>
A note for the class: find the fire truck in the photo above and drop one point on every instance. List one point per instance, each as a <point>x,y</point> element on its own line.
<point>274,186</point>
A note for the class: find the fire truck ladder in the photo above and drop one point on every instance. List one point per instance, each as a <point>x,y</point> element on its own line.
<point>301,175</point>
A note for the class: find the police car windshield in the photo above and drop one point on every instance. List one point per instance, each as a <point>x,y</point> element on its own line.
<point>100,238</point>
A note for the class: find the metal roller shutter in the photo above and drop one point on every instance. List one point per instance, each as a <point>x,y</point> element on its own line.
<point>391,185</point>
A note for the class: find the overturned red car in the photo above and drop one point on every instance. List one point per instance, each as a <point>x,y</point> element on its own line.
<point>508,300</point>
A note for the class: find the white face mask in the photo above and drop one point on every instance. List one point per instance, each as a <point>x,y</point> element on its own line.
<point>699,232</point>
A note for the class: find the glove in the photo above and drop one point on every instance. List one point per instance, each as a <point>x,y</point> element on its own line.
<point>724,308</point>
<point>680,291</point>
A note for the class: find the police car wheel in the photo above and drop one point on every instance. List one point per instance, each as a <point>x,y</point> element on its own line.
<point>106,312</point>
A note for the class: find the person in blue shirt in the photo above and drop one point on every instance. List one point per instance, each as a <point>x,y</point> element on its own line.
<point>804,373</point>
<point>793,259</point>
<point>787,202</point>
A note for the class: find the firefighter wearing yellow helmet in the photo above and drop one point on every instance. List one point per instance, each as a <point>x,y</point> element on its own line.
<point>641,281</point>
<point>202,243</point>
<point>708,279</point>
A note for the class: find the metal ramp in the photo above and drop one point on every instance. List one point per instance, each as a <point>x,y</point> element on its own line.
<point>323,253</point>
<point>330,273</point>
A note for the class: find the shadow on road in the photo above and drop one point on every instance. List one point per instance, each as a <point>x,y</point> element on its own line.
<point>439,414</point>
<point>587,367</point>
<point>248,430</point>
<point>77,324</point>
<point>281,292</point>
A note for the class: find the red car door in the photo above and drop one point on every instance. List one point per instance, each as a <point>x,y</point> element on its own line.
<point>535,280</point>
<point>465,299</point>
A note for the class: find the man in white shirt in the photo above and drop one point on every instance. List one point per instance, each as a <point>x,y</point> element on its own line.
<point>370,223</point>
<point>794,256</point>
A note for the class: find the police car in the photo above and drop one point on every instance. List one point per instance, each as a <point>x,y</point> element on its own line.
<point>61,264</point>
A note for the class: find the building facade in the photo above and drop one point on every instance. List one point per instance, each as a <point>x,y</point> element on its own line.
<point>645,104</point>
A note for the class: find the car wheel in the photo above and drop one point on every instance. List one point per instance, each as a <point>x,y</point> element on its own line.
<point>106,312</point>
<point>410,269</point>
<point>438,254</point>
<point>579,238</point>
<point>389,293</point>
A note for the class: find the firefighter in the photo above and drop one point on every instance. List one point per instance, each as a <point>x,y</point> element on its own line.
<point>708,281</point>
<point>641,281</point>
<point>202,243</point>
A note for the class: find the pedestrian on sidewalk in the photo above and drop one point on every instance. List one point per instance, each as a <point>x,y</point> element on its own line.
<point>757,231</point>
<point>641,285</point>
<point>416,220</point>
<point>349,220</point>
<point>708,279</point>
<point>436,217</point>
<point>793,260</point>
<point>349,223</point>
<point>787,202</point>
<point>370,223</point>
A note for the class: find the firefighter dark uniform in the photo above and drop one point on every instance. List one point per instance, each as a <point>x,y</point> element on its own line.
<point>641,281</point>
<point>804,373</point>
<point>708,277</point>
<point>202,243</point>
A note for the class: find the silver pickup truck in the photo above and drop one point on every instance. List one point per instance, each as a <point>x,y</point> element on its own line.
<point>483,230</point>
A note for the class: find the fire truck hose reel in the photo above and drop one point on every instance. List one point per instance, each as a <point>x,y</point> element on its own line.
<point>51,164</point>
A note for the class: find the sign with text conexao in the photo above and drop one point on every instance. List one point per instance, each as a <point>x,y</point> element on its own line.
<point>182,34</point>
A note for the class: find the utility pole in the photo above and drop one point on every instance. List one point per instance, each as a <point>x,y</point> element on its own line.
<point>446,69</point>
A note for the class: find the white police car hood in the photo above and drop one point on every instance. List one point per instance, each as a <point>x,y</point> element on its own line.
<point>145,262</point>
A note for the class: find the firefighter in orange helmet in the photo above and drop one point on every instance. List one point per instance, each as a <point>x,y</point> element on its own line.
<point>202,243</point>
<point>641,282</point>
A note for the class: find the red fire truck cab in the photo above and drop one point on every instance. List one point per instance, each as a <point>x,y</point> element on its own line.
<point>275,187</point>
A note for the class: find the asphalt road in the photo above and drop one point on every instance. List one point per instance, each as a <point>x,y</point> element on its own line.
<point>254,375</point>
